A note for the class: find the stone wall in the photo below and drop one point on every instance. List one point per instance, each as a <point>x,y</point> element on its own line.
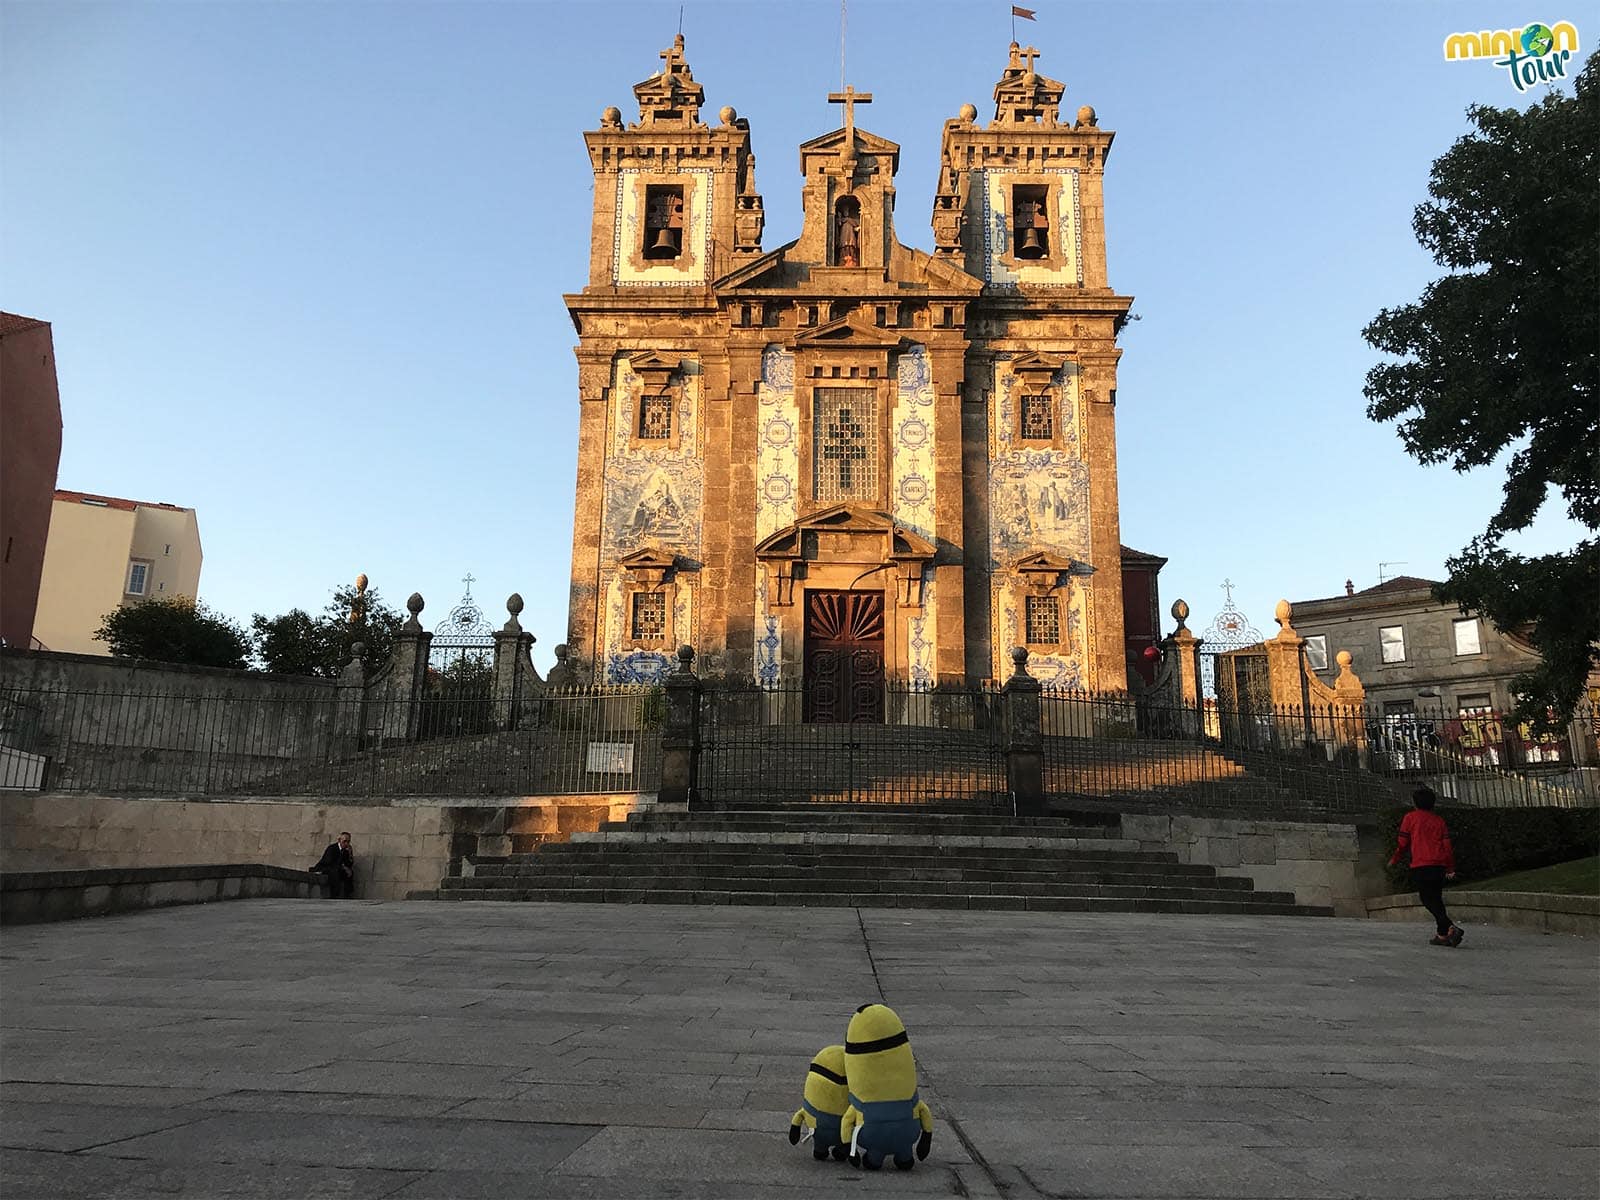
<point>1519,910</point>
<point>1336,865</point>
<point>400,847</point>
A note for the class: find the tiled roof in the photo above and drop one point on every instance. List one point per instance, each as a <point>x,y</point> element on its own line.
<point>1400,583</point>
<point>113,501</point>
<point>16,323</point>
<point>1130,552</point>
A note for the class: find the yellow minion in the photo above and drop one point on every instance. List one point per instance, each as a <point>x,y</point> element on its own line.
<point>886,1117</point>
<point>826,1097</point>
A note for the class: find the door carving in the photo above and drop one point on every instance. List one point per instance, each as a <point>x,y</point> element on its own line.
<point>844,656</point>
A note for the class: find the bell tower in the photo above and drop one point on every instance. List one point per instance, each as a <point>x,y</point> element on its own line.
<point>674,198</point>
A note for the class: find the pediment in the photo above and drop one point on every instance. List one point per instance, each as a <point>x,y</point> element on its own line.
<point>848,331</point>
<point>1033,363</point>
<point>652,364</point>
<point>902,543</point>
<point>1045,562</point>
<point>869,143</point>
<point>650,558</point>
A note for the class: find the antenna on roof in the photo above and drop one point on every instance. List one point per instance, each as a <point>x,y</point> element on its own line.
<point>1382,578</point>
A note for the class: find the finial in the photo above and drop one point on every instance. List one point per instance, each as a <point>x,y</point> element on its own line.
<point>415,603</point>
<point>1349,587</point>
<point>514,604</point>
<point>361,583</point>
<point>1019,659</point>
<point>1087,117</point>
<point>1180,613</point>
<point>561,653</point>
<point>968,112</point>
<point>357,649</point>
<point>1282,612</point>
<point>611,117</point>
<point>727,114</point>
<point>1343,659</point>
<point>685,659</point>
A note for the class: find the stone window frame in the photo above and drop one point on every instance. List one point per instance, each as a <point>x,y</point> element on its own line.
<point>1384,646</point>
<point>852,372</point>
<point>636,582</point>
<point>1055,257</point>
<point>688,261</point>
<point>637,603</point>
<point>1456,627</point>
<point>657,381</point>
<point>1047,379</point>
<point>683,222</point>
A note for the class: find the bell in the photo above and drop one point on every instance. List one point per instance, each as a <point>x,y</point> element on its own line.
<point>1030,246</point>
<point>665,244</point>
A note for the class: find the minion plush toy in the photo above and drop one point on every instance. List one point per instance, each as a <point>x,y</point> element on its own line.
<point>826,1098</point>
<point>886,1117</point>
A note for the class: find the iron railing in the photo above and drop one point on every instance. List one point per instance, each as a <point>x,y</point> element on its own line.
<point>926,744</point>
<point>589,740</point>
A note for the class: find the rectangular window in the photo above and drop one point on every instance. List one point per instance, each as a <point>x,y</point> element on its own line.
<point>138,578</point>
<point>1317,652</point>
<point>1392,644</point>
<point>655,417</point>
<point>663,222</point>
<point>649,616</point>
<point>844,444</point>
<point>1467,640</point>
<point>1038,417</point>
<point>1044,621</point>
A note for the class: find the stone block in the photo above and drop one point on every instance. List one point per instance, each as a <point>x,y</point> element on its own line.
<point>1294,844</point>
<point>282,818</point>
<point>1224,851</point>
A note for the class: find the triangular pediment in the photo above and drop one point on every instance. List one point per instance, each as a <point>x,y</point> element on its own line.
<point>901,543</point>
<point>848,331</point>
<point>653,362</point>
<point>651,558</point>
<point>1044,562</point>
<point>869,143</point>
<point>1033,363</point>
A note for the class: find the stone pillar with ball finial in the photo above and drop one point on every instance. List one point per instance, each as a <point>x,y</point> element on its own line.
<point>515,679</point>
<point>680,734</point>
<point>398,686</point>
<point>1286,676</point>
<point>1183,647</point>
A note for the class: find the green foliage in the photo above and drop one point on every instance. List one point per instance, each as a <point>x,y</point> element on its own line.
<point>1493,841</point>
<point>174,629</point>
<point>1503,354</point>
<point>1580,877</point>
<point>298,643</point>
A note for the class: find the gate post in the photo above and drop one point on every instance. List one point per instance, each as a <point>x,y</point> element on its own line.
<point>1191,696</point>
<point>351,690</point>
<point>1286,677</point>
<point>1024,741</point>
<point>680,736</point>
<point>512,649</point>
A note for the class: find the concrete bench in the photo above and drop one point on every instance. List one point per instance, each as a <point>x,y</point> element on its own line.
<point>27,897</point>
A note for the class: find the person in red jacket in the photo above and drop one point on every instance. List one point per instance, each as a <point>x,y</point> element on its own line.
<point>1425,840</point>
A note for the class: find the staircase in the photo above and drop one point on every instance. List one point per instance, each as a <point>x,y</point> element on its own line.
<point>881,856</point>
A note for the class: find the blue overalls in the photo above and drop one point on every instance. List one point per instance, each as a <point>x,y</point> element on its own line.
<point>889,1128</point>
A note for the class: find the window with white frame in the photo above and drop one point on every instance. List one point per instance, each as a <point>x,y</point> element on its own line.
<point>1467,638</point>
<point>138,578</point>
<point>1317,652</point>
<point>1392,644</point>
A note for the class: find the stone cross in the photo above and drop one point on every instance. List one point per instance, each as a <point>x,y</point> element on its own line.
<point>1028,53</point>
<point>850,98</point>
<point>673,57</point>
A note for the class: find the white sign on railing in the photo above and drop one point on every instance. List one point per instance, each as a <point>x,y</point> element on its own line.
<point>611,758</point>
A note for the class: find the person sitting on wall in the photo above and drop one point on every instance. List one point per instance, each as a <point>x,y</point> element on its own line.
<point>338,863</point>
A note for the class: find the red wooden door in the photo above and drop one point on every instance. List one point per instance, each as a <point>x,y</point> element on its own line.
<point>844,656</point>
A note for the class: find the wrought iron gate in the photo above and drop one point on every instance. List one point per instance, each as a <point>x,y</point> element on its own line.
<point>1244,699</point>
<point>922,746</point>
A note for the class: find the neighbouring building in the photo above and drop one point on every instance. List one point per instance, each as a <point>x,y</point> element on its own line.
<point>30,451</point>
<point>1423,661</point>
<point>845,450</point>
<point>104,552</point>
<point>1141,611</point>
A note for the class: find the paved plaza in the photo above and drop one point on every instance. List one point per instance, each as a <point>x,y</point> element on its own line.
<point>304,1048</point>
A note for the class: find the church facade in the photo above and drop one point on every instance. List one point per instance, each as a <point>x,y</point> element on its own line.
<point>843,448</point>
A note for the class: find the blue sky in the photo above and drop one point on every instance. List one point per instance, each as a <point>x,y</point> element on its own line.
<point>304,262</point>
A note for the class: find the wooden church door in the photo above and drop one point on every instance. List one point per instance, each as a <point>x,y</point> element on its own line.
<point>844,656</point>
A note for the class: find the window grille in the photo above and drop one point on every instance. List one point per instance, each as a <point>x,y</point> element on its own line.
<point>844,440</point>
<point>655,417</point>
<point>1038,421</point>
<point>1044,621</point>
<point>649,616</point>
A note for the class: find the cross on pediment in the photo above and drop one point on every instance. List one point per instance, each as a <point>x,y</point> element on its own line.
<point>850,98</point>
<point>673,56</point>
<point>1028,53</point>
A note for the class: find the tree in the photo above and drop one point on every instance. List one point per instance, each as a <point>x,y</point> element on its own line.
<point>174,629</point>
<point>297,643</point>
<point>1500,355</point>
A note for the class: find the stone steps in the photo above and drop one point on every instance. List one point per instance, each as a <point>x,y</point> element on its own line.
<point>864,855</point>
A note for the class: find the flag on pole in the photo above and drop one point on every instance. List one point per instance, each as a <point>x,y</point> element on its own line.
<point>1025,13</point>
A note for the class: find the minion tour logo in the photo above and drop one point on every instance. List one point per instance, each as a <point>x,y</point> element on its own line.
<point>1536,53</point>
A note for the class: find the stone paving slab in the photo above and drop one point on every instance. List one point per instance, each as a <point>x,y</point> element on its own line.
<point>483,1051</point>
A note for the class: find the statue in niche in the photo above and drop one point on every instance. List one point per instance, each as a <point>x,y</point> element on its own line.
<point>847,232</point>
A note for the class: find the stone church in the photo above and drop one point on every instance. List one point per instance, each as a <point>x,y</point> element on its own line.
<point>844,449</point>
